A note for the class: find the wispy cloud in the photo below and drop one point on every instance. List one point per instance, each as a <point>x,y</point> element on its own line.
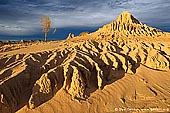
<point>22,16</point>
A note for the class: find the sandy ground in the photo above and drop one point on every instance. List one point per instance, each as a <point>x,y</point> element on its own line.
<point>145,90</point>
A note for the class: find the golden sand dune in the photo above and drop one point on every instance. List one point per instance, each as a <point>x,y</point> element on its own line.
<point>125,64</point>
<point>127,25</point>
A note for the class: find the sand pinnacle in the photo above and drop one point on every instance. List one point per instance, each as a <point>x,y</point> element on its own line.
<point>126,17</point>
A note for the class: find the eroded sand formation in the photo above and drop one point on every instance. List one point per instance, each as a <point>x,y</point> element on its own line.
<point>34,74</point>
<point>126,25</point>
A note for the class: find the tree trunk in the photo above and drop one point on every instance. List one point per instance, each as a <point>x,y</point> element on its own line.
<point>45,36</point>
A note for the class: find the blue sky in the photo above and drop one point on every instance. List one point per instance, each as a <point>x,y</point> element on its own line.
<point>21,17</point>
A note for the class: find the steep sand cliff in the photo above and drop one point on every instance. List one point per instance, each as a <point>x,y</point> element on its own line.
<point>124,64</point>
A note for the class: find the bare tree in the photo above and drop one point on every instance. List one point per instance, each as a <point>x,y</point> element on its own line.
<point>46,25</point>
<point>54,30</point>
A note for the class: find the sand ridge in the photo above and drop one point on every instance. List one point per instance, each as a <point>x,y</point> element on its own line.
<point>127,26</point>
